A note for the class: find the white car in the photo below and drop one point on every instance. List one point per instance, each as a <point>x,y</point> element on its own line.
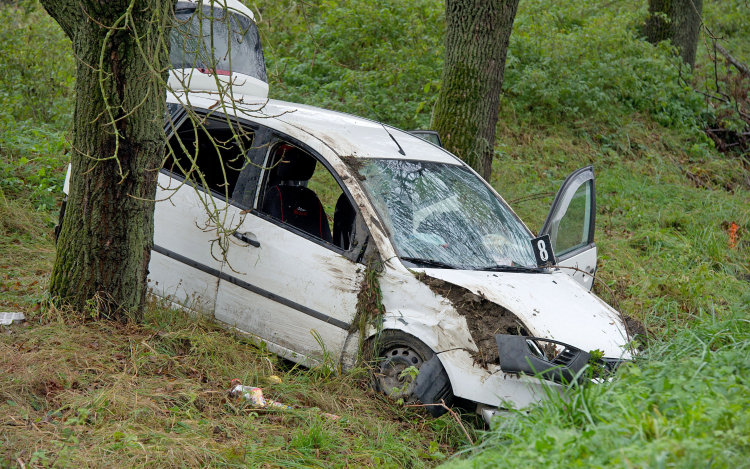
<point>316,201</point>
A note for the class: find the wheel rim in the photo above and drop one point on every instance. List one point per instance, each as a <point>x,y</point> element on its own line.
<point>392,379</point>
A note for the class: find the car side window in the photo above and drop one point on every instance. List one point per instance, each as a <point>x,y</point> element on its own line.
<point>299,191</point>
<point>211,155</point>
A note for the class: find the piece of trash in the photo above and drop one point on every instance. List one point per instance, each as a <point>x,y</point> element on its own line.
<point>733,235</point>
<point>6,319</point>
<point>274,379</point>
<point>253,395</point>
<point>330,416</point>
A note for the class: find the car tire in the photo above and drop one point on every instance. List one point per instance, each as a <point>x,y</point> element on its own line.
<point>396,351</point>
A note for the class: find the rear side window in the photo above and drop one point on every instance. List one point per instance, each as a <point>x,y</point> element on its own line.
<point>211,155</point>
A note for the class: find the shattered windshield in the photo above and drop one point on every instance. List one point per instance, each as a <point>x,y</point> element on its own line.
<point>439,214</point>
<point>199,31</point>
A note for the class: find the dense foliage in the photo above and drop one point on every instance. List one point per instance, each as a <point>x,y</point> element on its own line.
<point>566,61</point>
<point>36,86</point>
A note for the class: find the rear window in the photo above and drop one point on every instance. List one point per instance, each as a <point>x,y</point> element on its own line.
<point>234,38</point>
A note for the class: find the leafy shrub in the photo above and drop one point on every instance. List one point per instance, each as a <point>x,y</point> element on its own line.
<point>379,59</point>
<point>36,65</point>
<point>36,91</point>
<point>576,60</point>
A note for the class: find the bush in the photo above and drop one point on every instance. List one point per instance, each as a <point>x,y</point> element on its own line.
<point>380,59</point>
<point>576,60</point>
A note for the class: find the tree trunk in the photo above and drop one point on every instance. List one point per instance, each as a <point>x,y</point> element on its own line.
<point>678,20</point>
<point>476,45</point>
<point>105,242</point>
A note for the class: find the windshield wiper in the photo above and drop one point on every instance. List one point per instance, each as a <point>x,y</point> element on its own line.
<point>429,262</point>
<point>513,268</point>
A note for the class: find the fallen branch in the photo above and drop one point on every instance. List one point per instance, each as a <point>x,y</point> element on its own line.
<point>452,412</point>
<point>744,70</point>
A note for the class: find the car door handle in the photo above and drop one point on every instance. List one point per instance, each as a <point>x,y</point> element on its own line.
<point>246,239</point>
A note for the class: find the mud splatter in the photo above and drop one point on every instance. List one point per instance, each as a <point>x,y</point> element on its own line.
<point>354,164</point>
<point>485,318</point>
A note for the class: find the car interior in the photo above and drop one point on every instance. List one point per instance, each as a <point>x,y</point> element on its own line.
<point>215,142</point>
<point>294,188</point>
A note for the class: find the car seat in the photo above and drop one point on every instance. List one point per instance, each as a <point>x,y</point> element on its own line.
<point>295,204</point>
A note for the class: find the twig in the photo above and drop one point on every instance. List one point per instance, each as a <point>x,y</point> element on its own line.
<point>526,198</point>
<point>744,70</point>
<point>451,411</point>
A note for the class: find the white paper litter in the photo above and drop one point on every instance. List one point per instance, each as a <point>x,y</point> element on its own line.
<point>6,319</point>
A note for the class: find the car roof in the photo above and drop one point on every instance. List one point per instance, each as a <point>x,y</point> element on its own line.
<point>231,5</point>
<point>345,134</point>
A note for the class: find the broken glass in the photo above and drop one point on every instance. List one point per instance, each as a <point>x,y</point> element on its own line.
<point>443,213</point>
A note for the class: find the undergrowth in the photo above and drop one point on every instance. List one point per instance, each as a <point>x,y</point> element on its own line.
<point>683,404</point>
<point>92,393</point>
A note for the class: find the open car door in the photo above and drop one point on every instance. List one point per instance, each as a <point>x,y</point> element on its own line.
<point>570,225</point>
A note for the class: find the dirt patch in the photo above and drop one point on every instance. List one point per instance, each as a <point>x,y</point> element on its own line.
<point>354,164</point>
<point>635,328</point>
<point>485,318</point>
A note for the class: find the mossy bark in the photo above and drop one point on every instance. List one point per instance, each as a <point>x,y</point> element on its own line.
<point>476,45</point>
<point>677,20</point>
<point>105,242</point>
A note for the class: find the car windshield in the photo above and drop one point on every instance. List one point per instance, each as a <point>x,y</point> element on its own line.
<point>198,31</point>
<point>440,213</point>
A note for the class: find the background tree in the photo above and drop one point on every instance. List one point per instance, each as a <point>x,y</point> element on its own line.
<point>678,20</point>
<point>476,45</point>
<point>105,242</point>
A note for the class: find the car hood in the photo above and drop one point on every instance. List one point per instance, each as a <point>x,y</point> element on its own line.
<point>551,305</point>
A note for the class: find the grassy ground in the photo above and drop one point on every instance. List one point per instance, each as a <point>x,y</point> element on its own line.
<point>90,394</point>
<point>76,393</point>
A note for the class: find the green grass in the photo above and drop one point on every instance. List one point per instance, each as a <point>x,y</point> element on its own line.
<point>684,404</point>
<point>94,394</point>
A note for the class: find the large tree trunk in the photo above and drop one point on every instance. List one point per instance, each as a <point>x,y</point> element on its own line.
<point>476,45</point>
<point>105,242</point>
<point>678,20</point>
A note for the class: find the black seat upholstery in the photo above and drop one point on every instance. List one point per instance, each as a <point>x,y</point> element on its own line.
<point>293,204</point>
<point>343,222</point>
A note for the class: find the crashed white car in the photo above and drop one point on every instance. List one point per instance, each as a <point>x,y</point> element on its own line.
<point>317,200</point>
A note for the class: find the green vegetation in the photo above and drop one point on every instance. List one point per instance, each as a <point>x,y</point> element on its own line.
<point>582,88</point>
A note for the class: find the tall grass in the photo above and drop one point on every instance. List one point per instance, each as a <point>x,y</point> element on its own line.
<point>685,403</point>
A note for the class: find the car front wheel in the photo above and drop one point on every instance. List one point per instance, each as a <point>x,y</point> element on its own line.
<point>405,368</point>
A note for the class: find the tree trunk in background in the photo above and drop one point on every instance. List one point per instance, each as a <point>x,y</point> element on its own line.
<point>105,243</point>
<point>476,45</point>
<point>678,20</point>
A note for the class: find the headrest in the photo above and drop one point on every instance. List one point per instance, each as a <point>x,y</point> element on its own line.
<point>296,165</point>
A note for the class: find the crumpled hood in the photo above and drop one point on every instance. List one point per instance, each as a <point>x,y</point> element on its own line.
<point>552,306</point>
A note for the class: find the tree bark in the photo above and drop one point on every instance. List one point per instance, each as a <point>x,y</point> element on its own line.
<point>677,20</point>
<point>104,246</point>
<point>476,45</point>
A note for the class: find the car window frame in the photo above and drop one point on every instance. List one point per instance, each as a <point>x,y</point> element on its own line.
<point>361,236</point>
<point>173,124</point>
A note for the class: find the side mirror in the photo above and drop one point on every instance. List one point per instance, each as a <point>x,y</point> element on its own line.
<point>429,135</point>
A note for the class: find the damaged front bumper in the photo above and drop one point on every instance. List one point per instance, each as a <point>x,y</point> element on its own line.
<point>548,360</point>
<point>542,358</point>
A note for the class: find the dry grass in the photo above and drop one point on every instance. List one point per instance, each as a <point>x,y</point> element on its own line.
<point>77,393</point>
<point>26,252</point>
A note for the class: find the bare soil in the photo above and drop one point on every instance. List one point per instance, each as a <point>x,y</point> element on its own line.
<point>485,318</point>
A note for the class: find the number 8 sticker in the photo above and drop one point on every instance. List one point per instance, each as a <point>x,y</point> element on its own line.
<point>543,251</point>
